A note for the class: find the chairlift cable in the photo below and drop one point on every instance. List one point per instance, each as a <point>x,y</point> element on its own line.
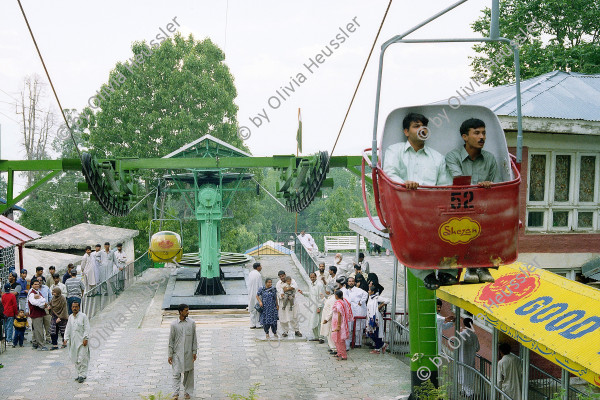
<point>49,79</point>
<point>360,79</point>
<point>269,193</point>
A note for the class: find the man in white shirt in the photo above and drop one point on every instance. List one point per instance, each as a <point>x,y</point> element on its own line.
<point>358,301</point>
<point>467,353</point>
<point>442,323</point>
<point>254,283</point>
<point>88,269</point>
<point>96,257</point>
<point>322,275</point>
<point>342,269</point>
<point>120,263</point>
<point>288,318</point>
<point>509,373</point>
<point>413,163</point>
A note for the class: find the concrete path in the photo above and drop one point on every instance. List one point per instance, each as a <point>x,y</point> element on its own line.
<point>129,357</point>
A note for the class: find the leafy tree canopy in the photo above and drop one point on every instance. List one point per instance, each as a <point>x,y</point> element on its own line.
<point>162,98</point>
<point>552,35</point>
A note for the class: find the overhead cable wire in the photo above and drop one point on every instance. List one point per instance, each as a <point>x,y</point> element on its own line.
<point>269,193</point>
<point>143,198</point>
<point>361,77</point>
<point>49,79</point>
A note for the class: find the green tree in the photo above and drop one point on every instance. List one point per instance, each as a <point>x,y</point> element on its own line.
<point>552,34</point>
<point>172,94</point>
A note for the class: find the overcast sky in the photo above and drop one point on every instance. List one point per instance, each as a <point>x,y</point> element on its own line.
<point>265,42</point>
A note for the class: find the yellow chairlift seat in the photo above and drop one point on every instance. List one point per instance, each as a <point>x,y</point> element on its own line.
<point>165,246</point>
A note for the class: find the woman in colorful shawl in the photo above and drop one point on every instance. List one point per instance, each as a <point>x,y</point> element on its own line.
<point>342,313</point>
<point>375,321</point>
<point>60,316</point>
<point>267,298</point>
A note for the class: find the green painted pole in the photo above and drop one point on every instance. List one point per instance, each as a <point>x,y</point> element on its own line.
<point>209,213</point>
<point>423,332</point>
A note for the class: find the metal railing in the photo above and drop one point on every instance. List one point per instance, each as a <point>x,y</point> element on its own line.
<point>275,243</point>
<point>107,291</point>
<point>542,385</point>
<point>399,335</point>
<point>306,258</point>
<point>464,382</point>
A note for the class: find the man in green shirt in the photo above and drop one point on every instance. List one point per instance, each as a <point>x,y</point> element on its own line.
<point>471,160</point>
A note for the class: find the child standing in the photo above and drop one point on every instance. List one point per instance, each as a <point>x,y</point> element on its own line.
<point>288,295</point>
<point>20,325</point>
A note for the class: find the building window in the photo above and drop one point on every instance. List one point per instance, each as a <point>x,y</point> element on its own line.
<point>563,192</point>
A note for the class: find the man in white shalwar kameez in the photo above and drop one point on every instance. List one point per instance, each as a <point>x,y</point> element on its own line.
<point>96,257</point>
<point>88,269</point>
<point>76,338</point>
<point>358,301</point>
<point>108,266</point>
<point>255,282</point>
<point>442,323</point>
<point>316,298</point>
<point>342,268</point>
<point>509,373</point>
<point>466,354</point>
<point>327,315</point>
<point>288,318</point>
<point>183,345</point>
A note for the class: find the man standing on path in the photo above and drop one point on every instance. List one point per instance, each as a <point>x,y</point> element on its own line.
<point>442,324</point>
<point>322,275</point>
<point>77,334</point>
<point>49,278</point>
<point>287,317</point>
<point>182,352</point>
<point>254,283</point>
<point>22,298</point>
<point>37,312</point>
<point>466,354</point>
<point>9,303</point>
<point>316,298</point>
<point>96,257</point>
<point>88,269</point>
<point>121,263</point>
<point>327,314</point>
<point>58,284</point>
<point>47,293</point>
<point>509,373</point>
<point>74,290</point>
<point>358,301</point>
<point>67,274</point>
<point>107,266</point>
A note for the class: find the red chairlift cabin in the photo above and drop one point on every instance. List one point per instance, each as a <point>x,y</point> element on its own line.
<point>459,226</point>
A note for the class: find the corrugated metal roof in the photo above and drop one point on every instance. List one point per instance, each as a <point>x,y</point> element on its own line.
<point>15,207</point>
<point>557,94</point>
<point>12,234</point>
<point>551,315</point>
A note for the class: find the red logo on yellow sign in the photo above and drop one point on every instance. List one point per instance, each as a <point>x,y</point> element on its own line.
<point>165,244</point>
<point>508,289</point>
<point>459,230</point>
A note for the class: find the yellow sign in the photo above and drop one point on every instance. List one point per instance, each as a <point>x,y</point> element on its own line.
<point>459,230</point>
<point>551,315</point>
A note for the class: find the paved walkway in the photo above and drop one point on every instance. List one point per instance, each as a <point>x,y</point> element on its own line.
<point>129,351</point>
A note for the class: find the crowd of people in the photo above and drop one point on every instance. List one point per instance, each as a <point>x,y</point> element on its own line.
<point>44,304</point>
<point>343,304</point>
